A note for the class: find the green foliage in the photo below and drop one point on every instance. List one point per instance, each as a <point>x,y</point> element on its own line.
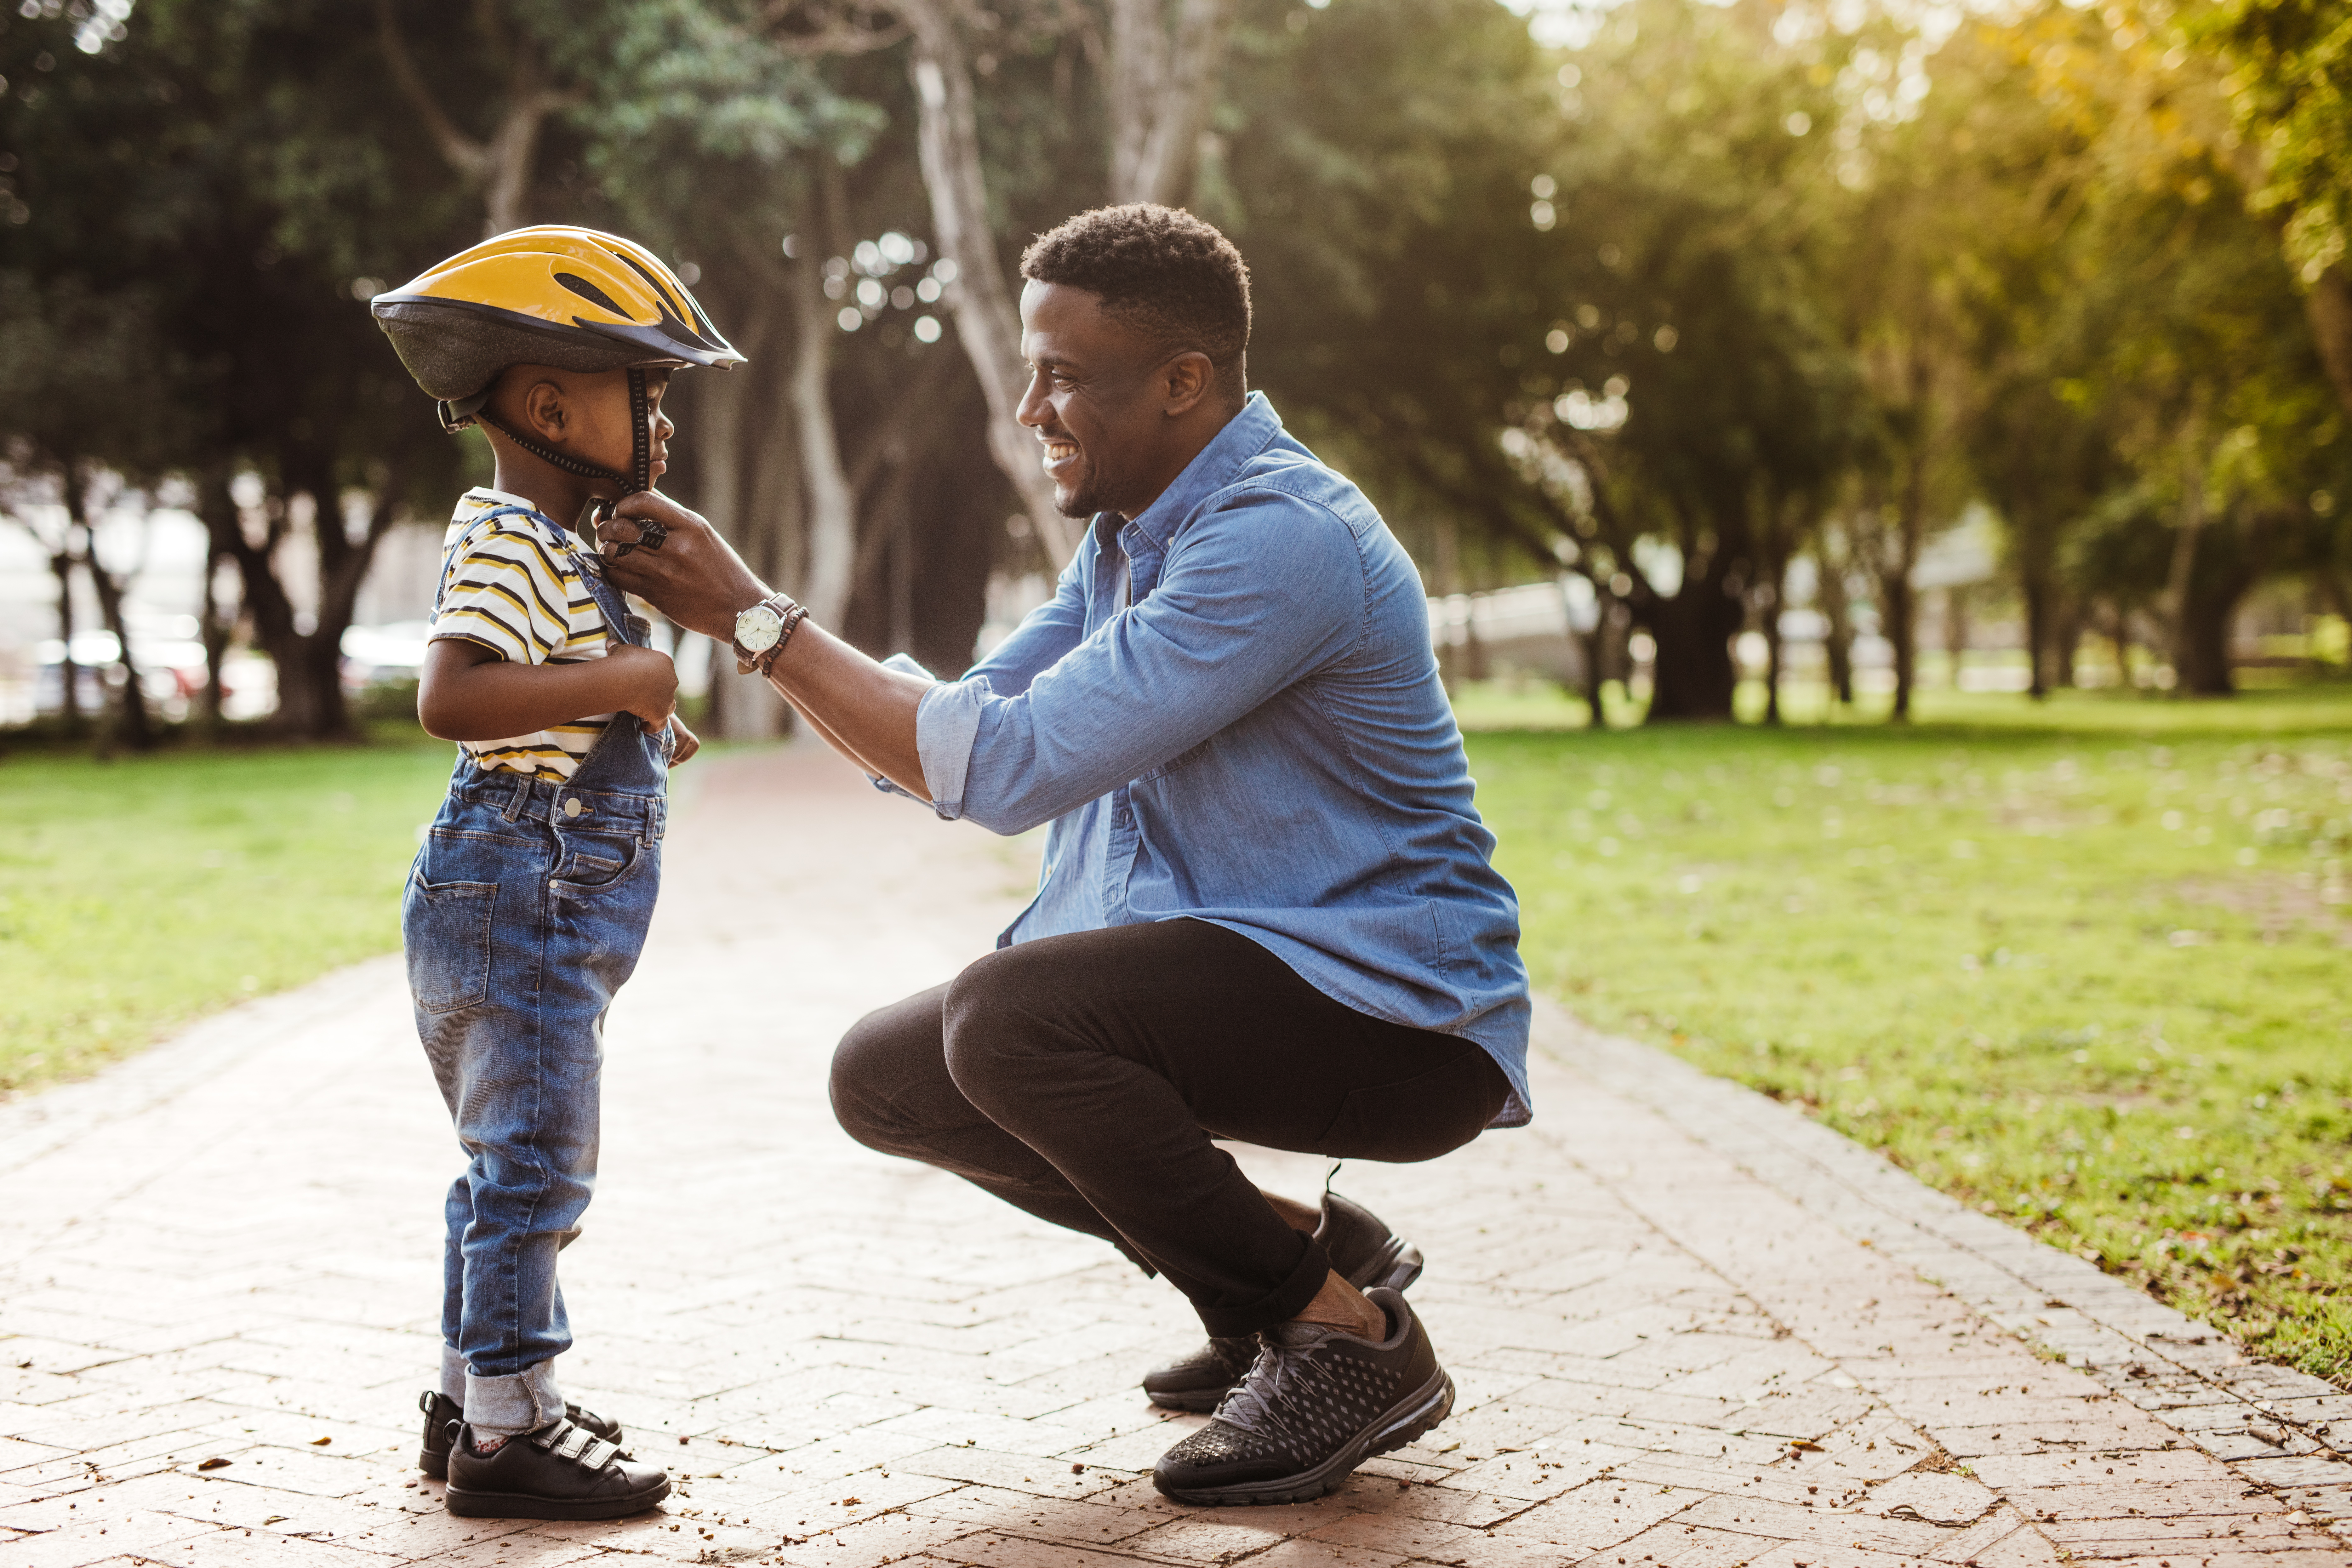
<point>140,894</point>
<point>2292,90</point>
<point>2083,968</point>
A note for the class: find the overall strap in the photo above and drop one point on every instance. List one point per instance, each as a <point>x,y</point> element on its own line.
<point>618,618</point>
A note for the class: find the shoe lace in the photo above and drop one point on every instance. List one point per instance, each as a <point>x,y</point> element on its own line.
<point>1280,1387</point>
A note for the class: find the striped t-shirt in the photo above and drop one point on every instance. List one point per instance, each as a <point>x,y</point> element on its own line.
<point>517,591</point>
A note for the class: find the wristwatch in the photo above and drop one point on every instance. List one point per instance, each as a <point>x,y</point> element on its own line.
<point>761,631</point>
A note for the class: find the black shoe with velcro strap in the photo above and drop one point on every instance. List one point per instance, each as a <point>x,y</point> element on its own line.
<point>443,1415</point>
<point>1316,1402</point>
<point>560,1471</point>
<point>1362,1250</point>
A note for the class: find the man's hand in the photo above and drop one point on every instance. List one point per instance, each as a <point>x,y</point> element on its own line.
<point>643,682</point>
<point>684,742</point>
<point>695,578</point>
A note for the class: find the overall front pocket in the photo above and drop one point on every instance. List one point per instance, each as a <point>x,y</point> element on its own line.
<point>446,927</point>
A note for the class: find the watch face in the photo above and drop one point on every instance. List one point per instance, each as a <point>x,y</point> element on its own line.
<point>758,628</point>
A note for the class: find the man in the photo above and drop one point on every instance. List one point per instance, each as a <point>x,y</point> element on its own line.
<point>1267,910</point>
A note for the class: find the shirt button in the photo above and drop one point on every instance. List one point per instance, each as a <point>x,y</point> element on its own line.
<point>572,808</point>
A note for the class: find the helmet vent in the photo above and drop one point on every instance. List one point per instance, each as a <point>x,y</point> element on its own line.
<point>589,293</point>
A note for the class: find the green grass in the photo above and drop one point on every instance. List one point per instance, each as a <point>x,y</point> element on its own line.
<point>138,894</point>
<point>2086,964</point>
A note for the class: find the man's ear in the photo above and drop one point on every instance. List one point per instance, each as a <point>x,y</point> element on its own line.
<point>1187,379</point>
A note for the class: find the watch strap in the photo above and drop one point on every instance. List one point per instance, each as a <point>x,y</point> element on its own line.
<point>793,614</point>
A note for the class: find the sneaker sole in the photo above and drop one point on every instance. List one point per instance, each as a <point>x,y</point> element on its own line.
<point>517,1505</point>
<point>435,1463</point>
<point>1408,1419</point>
<point>1200,1401</point>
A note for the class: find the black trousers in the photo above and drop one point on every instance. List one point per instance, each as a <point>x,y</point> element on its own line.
<point>1081,1078</point>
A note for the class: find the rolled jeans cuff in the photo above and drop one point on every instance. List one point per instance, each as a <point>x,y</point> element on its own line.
<point>453,1375</point>
<point>1286,1301</point>
<point>512,1405</point>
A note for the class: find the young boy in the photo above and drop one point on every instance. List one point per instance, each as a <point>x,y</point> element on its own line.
<point>528,905</point>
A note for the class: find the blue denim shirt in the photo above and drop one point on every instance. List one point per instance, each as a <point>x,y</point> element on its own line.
<point>1246,726</point>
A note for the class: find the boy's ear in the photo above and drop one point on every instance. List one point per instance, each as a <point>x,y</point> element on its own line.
<point>543,410</point>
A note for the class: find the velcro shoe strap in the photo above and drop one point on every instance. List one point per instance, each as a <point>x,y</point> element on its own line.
<point>600,1453</point>
<point>562,1439</point>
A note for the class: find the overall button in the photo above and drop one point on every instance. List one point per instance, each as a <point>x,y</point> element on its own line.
<point>573,808</point>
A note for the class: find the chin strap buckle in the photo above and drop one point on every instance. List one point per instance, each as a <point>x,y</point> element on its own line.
<point>458,413</point>
<point>651,532</point>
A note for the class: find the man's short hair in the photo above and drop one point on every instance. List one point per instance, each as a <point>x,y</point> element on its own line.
<point>1162,273</point>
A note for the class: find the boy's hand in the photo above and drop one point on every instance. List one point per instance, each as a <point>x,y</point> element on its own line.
<point>643,682</point>
<point>685,742</point>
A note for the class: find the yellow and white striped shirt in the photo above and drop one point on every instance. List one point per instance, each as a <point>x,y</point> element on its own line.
<point>519,595</point>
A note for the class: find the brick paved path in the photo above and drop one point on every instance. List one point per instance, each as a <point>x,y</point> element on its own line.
<point>1689,1328</point>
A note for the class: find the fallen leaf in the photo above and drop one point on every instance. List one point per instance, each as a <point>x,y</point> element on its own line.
<point>851,1501</point>
<point>1810,1447</point>
<point>212,1463</point>
<point>275,1519</point>
<point>1077,1469</point>
<point>320,1442</point>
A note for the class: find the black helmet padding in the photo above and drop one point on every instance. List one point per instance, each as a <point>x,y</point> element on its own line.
<point>454,350</point>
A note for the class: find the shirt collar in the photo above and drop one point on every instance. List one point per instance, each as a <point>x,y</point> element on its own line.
<point>1246,434</point>
<point>484,497</point>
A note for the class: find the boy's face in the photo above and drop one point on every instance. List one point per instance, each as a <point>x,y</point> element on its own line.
<point>586,413</point>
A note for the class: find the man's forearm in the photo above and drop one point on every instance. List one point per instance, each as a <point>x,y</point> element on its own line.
<point>863,711</point>
<point>824,734</point>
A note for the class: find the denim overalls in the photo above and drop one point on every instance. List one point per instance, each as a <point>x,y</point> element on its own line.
<point>526,910</point>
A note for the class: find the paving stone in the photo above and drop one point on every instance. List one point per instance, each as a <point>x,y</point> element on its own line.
<point>1687,1326</point>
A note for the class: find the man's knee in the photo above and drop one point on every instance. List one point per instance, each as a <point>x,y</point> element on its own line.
<point>1002,1019</point>
<point>875,1060</point>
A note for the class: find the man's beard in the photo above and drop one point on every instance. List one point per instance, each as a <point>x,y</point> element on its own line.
<point>1090,494</point>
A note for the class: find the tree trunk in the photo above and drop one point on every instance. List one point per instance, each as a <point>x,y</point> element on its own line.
<point>2066,639</point>
<point>1955,631</point>
<point>499,168</point>
<point>2202,642</point>
<point>310,703</point>
<point>2036,590</point>
<point>1837,639</point>
<point>2328,308</point>
<point>2122,637</point>
<point>1160,95</point>
<point>1771,598</point>
<point>133,729</point>
<point>1900,602</point>
<point>1692,673</point>
<point>70,714</point>
<point>1590,645</point>
<point>832,516</point>
<point>987,322</point>
<point>2178,586</point>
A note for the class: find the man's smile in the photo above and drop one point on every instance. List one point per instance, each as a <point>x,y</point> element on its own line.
<point>1060,453</point>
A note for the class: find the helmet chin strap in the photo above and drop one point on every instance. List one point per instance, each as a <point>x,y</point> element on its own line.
<point>457,413</point>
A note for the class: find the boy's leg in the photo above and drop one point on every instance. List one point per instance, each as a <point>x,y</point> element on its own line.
<point>522,1092</point>
<point>527,1112</point>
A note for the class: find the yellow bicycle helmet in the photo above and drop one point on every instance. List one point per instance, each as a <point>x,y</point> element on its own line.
<point>572,298</point>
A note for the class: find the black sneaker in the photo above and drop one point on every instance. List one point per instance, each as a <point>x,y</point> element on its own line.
<point>1364,1251</point>
<point>1316,1402</point>
<point>443,1414</point>
<point>560,1471</point>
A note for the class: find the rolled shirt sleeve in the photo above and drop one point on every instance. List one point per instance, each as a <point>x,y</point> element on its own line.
<point>945,725</point>
<point>1259,591</point>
